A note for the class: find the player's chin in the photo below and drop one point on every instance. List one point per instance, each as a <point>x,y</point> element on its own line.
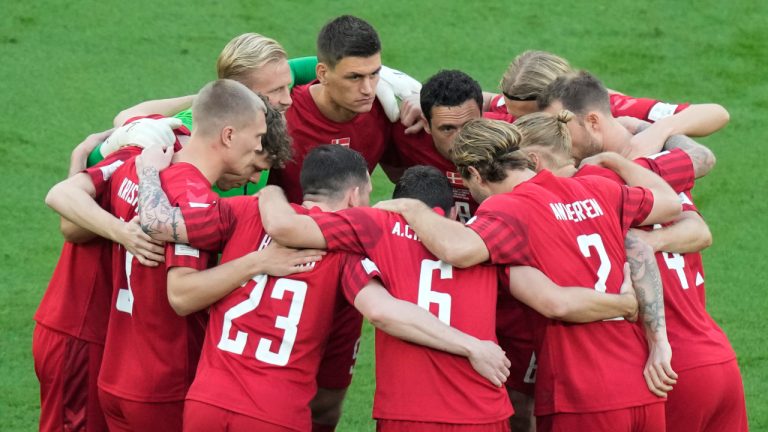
<point>363,106</point>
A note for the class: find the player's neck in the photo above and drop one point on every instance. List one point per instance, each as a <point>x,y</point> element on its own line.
<point>328,108</point>
<point>323,204</point>
<point>616,138</point>
<point>514,178</point>
<point>200,155</point>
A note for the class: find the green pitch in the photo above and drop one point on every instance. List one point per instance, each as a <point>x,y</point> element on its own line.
<point>68,67</point>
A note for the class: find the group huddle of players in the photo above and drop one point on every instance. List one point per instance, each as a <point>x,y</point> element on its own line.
<point>495,278</point>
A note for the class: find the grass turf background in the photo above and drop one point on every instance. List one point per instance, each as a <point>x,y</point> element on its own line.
<point>68,68</point>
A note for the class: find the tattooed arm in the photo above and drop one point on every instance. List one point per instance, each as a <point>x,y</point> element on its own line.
<point>159,218</point>
<point>646,278</point>
<point>702,157</point>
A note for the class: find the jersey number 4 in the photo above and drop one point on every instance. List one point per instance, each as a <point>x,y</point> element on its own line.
<point>288,323</point>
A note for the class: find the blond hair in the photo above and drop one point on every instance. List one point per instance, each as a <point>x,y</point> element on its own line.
<point>491,147</point>
<point>223,103</point>
<point>530,72</point>
<point>246,53</point>
<point>550,133</point>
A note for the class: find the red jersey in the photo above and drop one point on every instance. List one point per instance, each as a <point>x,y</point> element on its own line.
<point>650,110</point>
<point>413,382</point>
<point>695,337</point>
<point>150,353</point>
<point>368,133</point>
<point>573,230</point>
<point>265,339</point>
<point>76,301</point>
<point>419,149</point>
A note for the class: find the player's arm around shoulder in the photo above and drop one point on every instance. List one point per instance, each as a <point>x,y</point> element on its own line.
<point>284,225</point>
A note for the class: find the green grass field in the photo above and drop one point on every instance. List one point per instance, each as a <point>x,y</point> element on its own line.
<point>69,67</point>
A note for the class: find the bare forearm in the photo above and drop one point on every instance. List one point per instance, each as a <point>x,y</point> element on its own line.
<point>286,226</point>
<point>697,120</point>
<point>159,218</point>
<point>647,282</point>
<point>689,234</point>
<point>166,107</point>
<point>79,156</point>
<point>78,207</point>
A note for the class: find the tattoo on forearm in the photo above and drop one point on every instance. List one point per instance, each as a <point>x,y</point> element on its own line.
<point>703,159</point>
<point>158,217</point>
<point>647,282</point>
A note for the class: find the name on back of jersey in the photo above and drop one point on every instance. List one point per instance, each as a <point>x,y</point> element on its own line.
<point>576,211</point>
<point>129,192</point>
<point>404,230</point>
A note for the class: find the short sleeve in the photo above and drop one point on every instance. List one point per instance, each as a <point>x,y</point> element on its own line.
<point>210,226</point>
<point>675,167</point>
<point>651,110</point>
<point>352,230</point>
<point>503,232</point>
<point>103,171</point>
<point>636,205</point>
<point>356,272</point>
<point>183,255</point>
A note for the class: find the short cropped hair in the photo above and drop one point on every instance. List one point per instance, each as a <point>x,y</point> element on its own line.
<point>426,184</point>
<point>246,53</point>
<point>331,169</point>
<point>548,131</point>
<point>225,102</point>
<point>491,147</point>
<point>346,36</point>
<point>530,73</point>
<point>276,142</point>
<point>449,88</point>
<point>579,92</point>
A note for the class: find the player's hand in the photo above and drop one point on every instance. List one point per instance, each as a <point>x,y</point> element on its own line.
<point>149,252</point>
<point>157,157</point>
<point>411,115</point>
<point>627,289</point>
<point>601,159</point>
<point>490,361</point>
<point>658,372</point>
<point>393,87</point>
<point>278,260</point>
<point>647,237</point>
<point>145,132</point>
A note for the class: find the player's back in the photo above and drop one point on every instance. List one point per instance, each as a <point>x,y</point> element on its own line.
<point>573,231</point>
<point>265,340</point>
<point>151,353</point>
<point>414,382</point>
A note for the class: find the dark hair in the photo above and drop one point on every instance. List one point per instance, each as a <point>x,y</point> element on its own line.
<point>426,184</point>
<point>346,36</point>
<point>330,169</point>
<point>276,141</point>
<point>449,88</point>
<point>579,92</point>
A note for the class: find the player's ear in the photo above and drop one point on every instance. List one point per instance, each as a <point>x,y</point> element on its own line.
<point>226,136</point>
<point>474,174</point>
<point>321,70</point>
<point>592,121</point>
<point>534,157</point>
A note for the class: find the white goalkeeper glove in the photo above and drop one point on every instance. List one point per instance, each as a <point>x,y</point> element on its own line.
<point>144,133</point>
<point>393,87</point>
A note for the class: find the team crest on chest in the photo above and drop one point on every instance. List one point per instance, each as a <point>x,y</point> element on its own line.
<point>454,178</point>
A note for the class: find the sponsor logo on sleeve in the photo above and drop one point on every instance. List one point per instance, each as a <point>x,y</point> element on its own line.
<point>661,110</point>
<point>186,250</point>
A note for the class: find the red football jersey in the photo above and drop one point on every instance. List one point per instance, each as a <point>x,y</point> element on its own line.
<point>650,110</point>
<point>150,353</point>
<point>265,340</point>
<point>76,301</point>
<point>368,133</point>
<point>414,382</point>
<point>573,231</point>
<point>419,149</point>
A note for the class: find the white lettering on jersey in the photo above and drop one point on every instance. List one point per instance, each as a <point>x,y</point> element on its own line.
<point>661,110</point>
<point>265,242</point>
<point>576,211</point>
<point>186,250</point>
<point>107,171</point>
<point>404,230</point>
<point>129,192</point>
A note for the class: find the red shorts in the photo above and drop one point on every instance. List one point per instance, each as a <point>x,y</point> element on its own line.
<point>68,369</point>
<point>707,399</point>
<point>383,425</point>
<point>646,418</point>
<point>202,417</point>
<point>127,415</point>
<point>338,361</point>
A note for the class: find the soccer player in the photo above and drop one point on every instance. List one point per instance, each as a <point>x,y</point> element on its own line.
<point>150,353</point>
<point>530,72</point>
<point>700,347</point>
<point>589,376</point>
<point>411,395</point>
<point>71,321</point>
<point>334,178</point>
